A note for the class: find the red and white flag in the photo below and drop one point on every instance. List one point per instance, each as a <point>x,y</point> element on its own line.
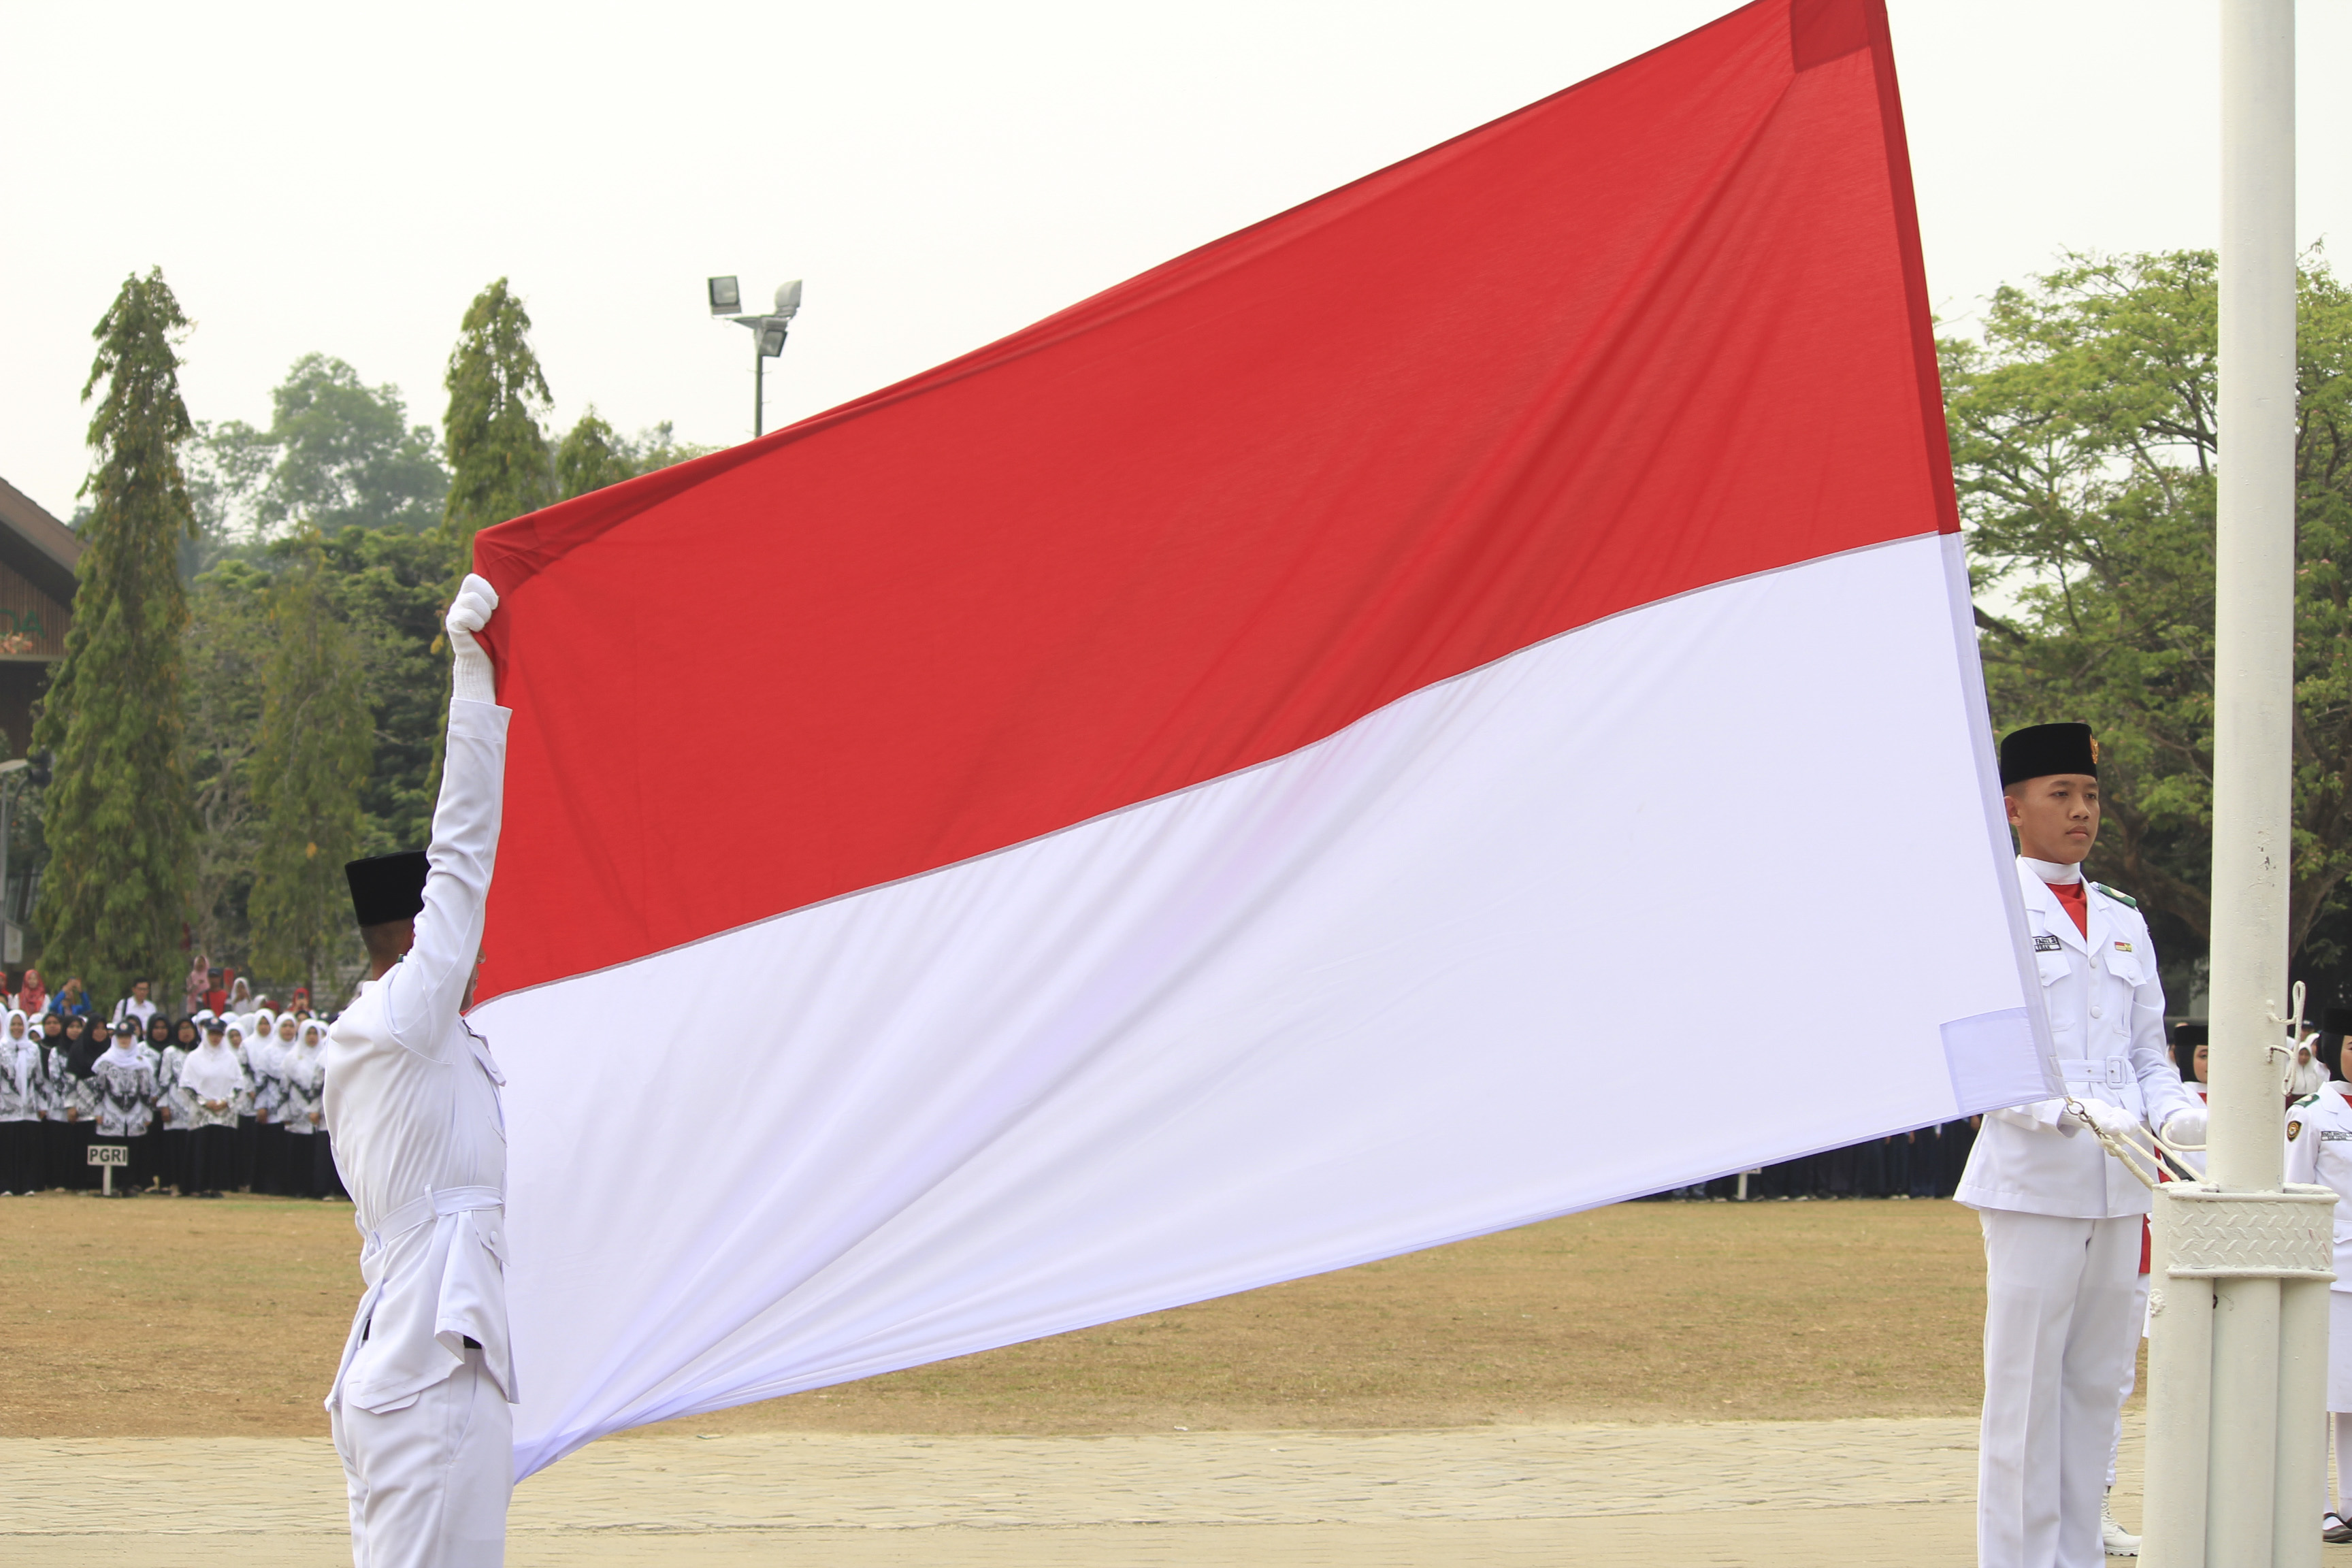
<point>1308,754</point>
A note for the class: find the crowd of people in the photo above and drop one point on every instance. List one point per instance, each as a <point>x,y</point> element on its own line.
<point>228,1096</point>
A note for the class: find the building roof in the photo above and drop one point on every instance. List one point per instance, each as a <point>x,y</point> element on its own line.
<point>38,546</point>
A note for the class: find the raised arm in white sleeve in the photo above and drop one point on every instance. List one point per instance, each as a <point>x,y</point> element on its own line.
<point>426,989</point>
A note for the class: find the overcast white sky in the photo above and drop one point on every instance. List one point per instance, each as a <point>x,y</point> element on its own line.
<point>343,178</point>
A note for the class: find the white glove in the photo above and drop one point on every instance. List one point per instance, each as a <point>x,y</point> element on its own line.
<point>2187,1126</point>
<point>2111,1119</point>
<point>471,678</point>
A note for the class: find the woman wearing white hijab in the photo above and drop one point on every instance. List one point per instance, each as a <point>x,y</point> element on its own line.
<point>172,1107</point>
<point>264,1059</point>
<point>239,1037</point>
<point>216,1089</point>
<point>122,1091</point>
<point>22,1148</point>
<point>302,1114</point>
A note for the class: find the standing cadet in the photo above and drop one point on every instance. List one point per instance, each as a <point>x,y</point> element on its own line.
<point>2061,1215</point>
<point>420,1402</point>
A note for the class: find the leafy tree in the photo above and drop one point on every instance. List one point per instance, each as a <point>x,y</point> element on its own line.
<point>2083,442</point>
<point>348,456</point>
<point>594,455</point>
<point>391,587</point>
<point>227,655</point>
<point>313,755</point>
<point>338,454</point>
<point>658,447</point>
<point>118,821</point>
<point>498,454</point>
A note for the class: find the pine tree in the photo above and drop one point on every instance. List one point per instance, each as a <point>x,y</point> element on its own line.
<point>115,898</point>
<point>498,453</point>
<point>317,737</point>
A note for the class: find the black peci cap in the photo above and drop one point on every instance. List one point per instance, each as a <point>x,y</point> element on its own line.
<point>2187,1033</point>
<point>387,888</point>
<point>2040,749</point>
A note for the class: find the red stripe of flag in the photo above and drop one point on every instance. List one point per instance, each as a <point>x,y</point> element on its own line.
<point>1661,329</point>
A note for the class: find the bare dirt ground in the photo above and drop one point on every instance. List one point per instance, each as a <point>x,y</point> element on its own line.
<point>161,1317</point>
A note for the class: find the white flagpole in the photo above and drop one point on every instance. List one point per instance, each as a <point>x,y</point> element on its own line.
<point>2246,1287</point>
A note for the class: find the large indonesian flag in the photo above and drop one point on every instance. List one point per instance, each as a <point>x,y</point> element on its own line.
<point>1315,751</point>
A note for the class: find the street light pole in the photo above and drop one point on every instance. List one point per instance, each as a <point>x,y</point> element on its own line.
<point>768,333</point>
<point>2238,1353</point>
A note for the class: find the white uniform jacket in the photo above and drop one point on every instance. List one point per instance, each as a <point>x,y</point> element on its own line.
<point>412,1098</point>
<point>2107,1019</point>
<point>2319,1151</point>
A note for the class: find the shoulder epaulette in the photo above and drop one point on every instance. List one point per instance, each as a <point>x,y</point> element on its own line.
<point>2306,1099</point>
<point>2125,900</point>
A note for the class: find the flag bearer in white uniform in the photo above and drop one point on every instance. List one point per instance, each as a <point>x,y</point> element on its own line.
<point>420,1402</point>
<point>2061,1215</point>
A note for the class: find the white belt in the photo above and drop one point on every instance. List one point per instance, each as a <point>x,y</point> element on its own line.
<point>2113,1071</point>
<point>418,1210</point>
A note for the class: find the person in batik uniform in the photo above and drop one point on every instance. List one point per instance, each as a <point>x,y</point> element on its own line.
<point>171,1108</point>
<point>123,1089</point>
<point>21,1150</point>
<point>214,1090</point>
<point>300,1111</point>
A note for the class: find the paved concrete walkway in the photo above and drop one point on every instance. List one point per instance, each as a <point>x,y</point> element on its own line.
<point>1759,1494</point>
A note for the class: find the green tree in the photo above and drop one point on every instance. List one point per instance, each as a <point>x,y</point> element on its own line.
<point>391,587</point>
<point>113,902</point>
<point>592,455</point>
<point>312,757</point>
<point>338,453</point>
<point>2084,443</point>
<point>348,456</point>
<point>498,458</point>
<point>226,652</point>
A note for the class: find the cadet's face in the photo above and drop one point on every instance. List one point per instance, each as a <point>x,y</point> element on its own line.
<point>2056,816</point>
<point>2197,1064</point>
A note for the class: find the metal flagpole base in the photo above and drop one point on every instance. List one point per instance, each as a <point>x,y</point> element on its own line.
<point>2237,1465</point>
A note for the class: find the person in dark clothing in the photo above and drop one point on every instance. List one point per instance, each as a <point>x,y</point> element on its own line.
<point>72,1135</point>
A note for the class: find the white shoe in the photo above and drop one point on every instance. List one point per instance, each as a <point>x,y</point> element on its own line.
<point>2119,1541</point>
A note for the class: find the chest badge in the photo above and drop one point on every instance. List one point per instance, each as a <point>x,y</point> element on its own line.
<point>2048,944</point>
<point>2123,946</point>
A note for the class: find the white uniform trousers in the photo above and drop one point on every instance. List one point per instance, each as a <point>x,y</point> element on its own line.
<point>429,1482</point>
<point>2059,1333</point>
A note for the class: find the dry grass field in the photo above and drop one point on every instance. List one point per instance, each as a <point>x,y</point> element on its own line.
<point>167,1316</point>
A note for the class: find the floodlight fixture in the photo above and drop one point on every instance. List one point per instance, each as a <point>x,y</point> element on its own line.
<point>768,333</point>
